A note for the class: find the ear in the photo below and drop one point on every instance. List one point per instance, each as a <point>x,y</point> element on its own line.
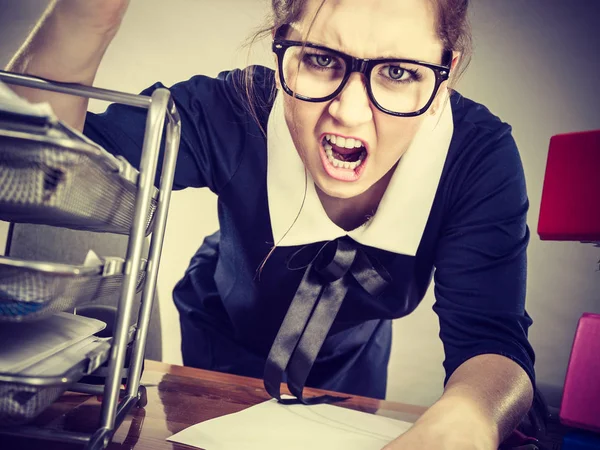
<point>276,65</point>
<point>277,79</point>
<point>456,56</point>
<point>441,96</point>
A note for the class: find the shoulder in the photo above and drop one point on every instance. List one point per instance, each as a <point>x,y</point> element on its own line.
<point>260,79</point>
<point>483,157</point>
<point>475,124</point>
<point>255,82</point>
<point>248,89</point>
<point>481,140</point>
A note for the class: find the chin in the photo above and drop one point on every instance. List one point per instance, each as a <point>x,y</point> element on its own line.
<point>341,190</point>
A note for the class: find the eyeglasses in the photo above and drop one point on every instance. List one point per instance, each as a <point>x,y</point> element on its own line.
<point>400,87</point>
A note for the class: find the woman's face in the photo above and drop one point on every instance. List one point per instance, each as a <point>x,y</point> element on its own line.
<point>364,29</point>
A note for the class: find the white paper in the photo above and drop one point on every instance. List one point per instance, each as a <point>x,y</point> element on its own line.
<point>25,344</point>
<point>92,259</point>
<point>65,359</point>
<point>12,103</point>
<point>271,425</point>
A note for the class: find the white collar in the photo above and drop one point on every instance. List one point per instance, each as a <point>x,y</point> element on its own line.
<point>398,224</point>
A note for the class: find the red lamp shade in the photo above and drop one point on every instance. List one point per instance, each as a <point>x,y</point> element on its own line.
<point>570,207</point>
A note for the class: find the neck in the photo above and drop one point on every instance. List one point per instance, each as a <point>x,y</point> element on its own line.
<point>351,213</point>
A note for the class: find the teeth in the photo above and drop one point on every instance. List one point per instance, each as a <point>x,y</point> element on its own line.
<point>344,142</point>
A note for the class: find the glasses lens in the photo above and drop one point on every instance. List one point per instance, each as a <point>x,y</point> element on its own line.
<point>402,87</point>
<point>311,72</point>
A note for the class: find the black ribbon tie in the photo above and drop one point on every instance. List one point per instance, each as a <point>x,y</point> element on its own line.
<point>312,312</point>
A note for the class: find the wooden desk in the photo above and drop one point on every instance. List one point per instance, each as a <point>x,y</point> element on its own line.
<point>177,398</point>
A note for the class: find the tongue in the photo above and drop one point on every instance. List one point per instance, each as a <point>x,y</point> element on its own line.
<point>346,154</point>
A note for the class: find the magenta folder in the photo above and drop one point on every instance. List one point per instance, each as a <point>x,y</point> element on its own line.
<point>580,405</point>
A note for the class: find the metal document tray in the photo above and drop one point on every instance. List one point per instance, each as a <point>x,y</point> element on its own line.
<point>31,290</point>
<point>31,144</point>
<point>52,175</point>
<point>24,396</point>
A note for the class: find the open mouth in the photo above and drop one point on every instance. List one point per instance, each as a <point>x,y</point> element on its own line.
<point>343,158</point>
<point>344,153</point>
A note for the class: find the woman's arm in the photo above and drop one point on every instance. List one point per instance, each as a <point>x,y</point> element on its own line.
<point>484,400</point>
<point>67,45</point>
<point>480,290</point>
<point>495,387</point>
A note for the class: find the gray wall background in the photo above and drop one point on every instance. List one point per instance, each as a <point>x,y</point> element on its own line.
<point>536,65</point>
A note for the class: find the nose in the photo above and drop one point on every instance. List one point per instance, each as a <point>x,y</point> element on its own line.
<point>352,106</point>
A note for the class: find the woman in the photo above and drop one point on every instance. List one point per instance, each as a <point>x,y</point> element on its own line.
<point>344,177</point>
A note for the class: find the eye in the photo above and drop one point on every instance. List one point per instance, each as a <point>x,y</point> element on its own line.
<point>321,60</point>
<point>396,72</point>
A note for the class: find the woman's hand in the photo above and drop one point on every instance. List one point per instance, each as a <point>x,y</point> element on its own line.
<point>449,424</point>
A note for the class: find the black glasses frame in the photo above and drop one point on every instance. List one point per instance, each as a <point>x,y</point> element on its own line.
<point>364,66</point>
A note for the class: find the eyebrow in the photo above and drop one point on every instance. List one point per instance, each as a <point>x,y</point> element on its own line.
<point>341,49</point>
<point>344,51</point>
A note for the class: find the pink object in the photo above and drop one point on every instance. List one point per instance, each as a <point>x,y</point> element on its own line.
<point>569,206</point>
<point>580,405</point>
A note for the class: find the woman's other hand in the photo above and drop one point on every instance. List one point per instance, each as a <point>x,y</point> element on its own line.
<point>449,425</point>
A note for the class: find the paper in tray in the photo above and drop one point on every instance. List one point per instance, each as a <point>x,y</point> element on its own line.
<point>31,290</point>
<point>54,175</point>
<point>25,345</point>
<point>56,353</point>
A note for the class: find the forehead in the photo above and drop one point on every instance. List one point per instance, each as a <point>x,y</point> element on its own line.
<point>373,28</point>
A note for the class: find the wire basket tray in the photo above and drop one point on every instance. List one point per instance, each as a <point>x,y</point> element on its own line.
<point>24,397</point>
<point>52,175</point>
<point>32,290</point>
